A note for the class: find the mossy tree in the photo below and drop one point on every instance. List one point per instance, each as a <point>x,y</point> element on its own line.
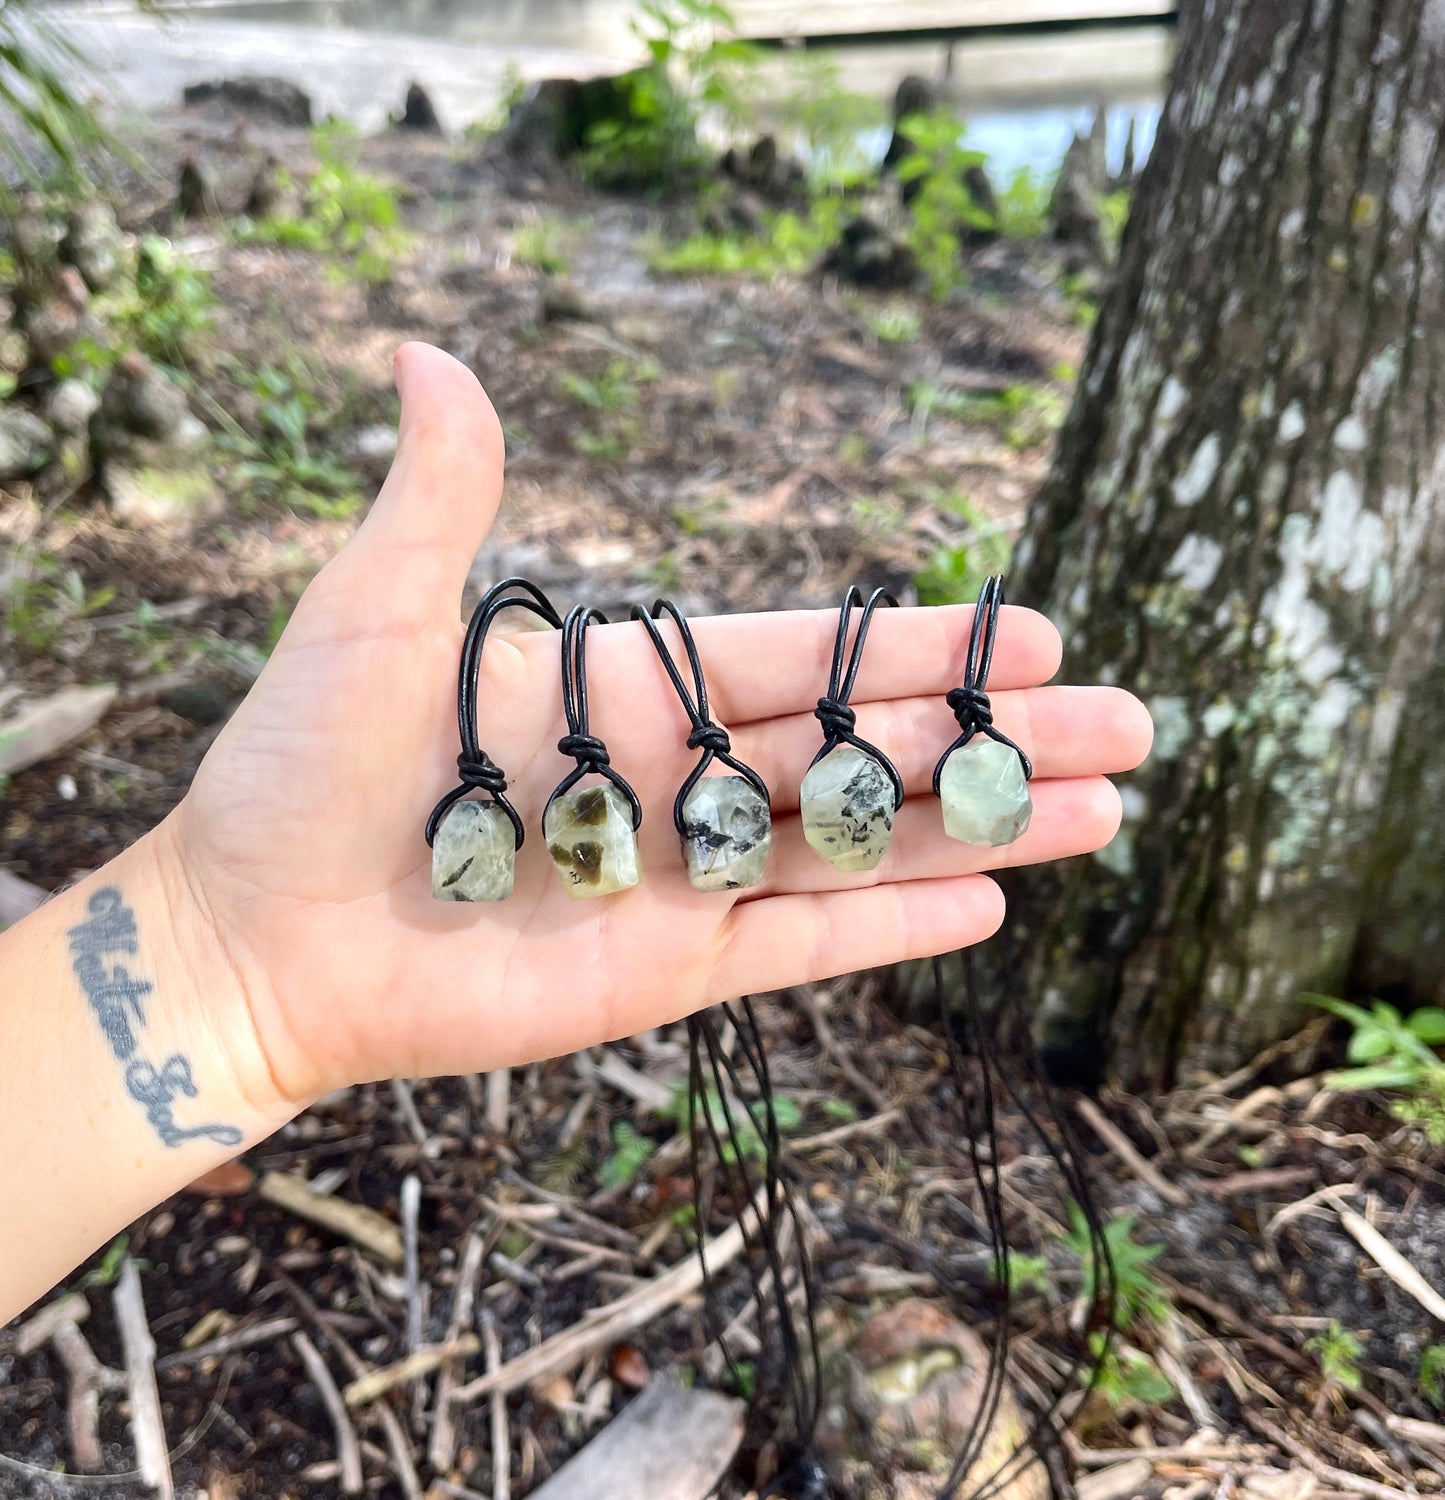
<point>1245,523</point>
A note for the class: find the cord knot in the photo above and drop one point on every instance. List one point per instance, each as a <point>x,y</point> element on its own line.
<point>586,749</point>
<point>710,737</point>
<point>837,719</point>
<point>481,775</point>
<point>970,707</point>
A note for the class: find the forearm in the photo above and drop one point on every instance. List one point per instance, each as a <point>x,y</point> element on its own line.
<point>128,1066</point>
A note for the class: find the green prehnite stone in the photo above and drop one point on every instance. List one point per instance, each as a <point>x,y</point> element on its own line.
<point>728,833</point>
<point>847,807</point>
<point>591,840</point>
<point>474,854</point>
<point>985,794</point>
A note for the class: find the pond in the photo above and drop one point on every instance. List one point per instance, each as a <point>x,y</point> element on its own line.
<point>1023,95</point>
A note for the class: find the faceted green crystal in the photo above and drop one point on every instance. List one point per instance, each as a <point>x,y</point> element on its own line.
<point>728,832</point>
<point>474,854</point>
<point>592,842</point>
<point>985,794</point>
<point>847,807</point>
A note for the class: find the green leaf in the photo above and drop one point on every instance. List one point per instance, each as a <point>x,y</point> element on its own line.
<point>1393,1075</point>
<point>1428,1024</point>
<point>1369,1043</point>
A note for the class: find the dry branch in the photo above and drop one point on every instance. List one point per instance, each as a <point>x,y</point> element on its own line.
<point>374,1383</point>
<point>1391,1262</point>
<point>369,1229</point>
<point>348,1450</point>
<point>1125,1150</point>
<point>152,1456</point>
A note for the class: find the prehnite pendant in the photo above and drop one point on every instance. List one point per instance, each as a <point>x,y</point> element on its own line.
<point>847,806</point>
<point>728,832</point>
<point>474,854</point>
<point>985,794</point>
<point>592,841</point>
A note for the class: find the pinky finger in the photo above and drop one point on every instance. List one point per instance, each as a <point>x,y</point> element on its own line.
<point>807,936</point>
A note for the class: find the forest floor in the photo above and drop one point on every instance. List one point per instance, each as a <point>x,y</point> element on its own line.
<point>737,443</point>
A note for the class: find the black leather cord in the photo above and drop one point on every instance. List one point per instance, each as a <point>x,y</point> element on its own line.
<point>832,712</point>
<point>579,742</point>
<point>708,736</point>
<point>477,770</point>
<point>970,703</point>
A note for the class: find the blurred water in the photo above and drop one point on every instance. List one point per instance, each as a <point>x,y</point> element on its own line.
<point>1023,97</point>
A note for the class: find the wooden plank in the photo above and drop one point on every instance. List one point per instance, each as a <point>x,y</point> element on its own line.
<point>860,18</point>
<point>672,1443</point>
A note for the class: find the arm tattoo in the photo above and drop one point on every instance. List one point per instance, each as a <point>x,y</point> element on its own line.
<point>97,947</point>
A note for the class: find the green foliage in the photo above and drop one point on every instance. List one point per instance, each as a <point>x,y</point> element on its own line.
<point>1026,1273</point>
<point>1113,216</point>
<point>43,599</point>
<point>943,208</point>
<point>537,244</point>
<point>1025,415</point>
<point>613,395</point>
<point>1395,1052</point>
<point>1138,1292</point>
<point>791,243</point>
<point>955,574</point>
<point>50,115</point>
<point>893,323</point>
<point>107,1272</point>
<point>748,1121</point>
<point>1023,205</point>
<point>277,463</point>
<point>630,1152</point>
<point>1128,1378</point>
<point>514,90</point>
<point>1432,1375</point>
<point>1338,1351</point>
<point>830,122</point>
<point>173,305</point>
<point>351,216</point>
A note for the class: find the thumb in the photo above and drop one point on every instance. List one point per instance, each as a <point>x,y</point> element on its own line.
<point>414,550</point>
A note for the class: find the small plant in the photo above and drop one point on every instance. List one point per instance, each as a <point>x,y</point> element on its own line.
<point>613,394</point>
<point>1432,1375</point>
<point>1138,1293</point>
<point>1025,415</point>
<point>1338,1352</point>
<point>745,1138</point>
<point>1127,1377</point>
<point>1023,205</point>
<point>351,216</point>
<point>107,1271</point>
<point>830,123</point>
<point>630,1152</point>
<point>43,599</point>
<point>536,244</point>
<point>174,303</point>
<point>943,208</point>
<point>1113,216</point>
<point>894,323</point>
<point>955,574</point>
<point>791,243</point>
<point>1395,1052</point>
<point>1026,1273</point>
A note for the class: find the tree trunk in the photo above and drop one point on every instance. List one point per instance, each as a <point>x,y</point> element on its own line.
<point>1242,524</point>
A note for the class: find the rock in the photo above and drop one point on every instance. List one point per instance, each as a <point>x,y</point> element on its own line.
<point>916,1386</point>
<point>729,832</point>
<point>780,179</point>
<point>419,112</point>
<point>741,212</point>
<point>26,443</point>
<point>846,802</point>
<point>70,406</point>
<point>592,842</point>
<point>375,442</point>
<point>273,98</point>
<point>564,301</point>
<point>542,121</point>
<point>151,454</point>
<point>14,351</point>
<point>94,245</point>
<point>870,255</point>
<point>274,192</point>
<point>206,701</point>
<point>195,192</point>
<point>46,727</point>
<point>52,325</point>
<point>985,794</point>
<point>474,854</point>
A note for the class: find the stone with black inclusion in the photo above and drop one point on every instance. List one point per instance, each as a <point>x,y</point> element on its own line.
<point>592,841</point>
<point>728,832</point>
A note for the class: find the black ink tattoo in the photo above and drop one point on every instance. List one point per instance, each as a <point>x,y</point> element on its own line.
<point>115,995</point>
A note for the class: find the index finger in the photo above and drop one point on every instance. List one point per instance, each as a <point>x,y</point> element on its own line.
<point>759,666</point>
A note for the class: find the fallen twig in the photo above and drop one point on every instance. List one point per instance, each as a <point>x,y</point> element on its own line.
<point>369,1229</point>
<point>604,1325</point>
<point>1342,1479</point>
<point>838,1054</point>
<point>37,1331</point>
<point>1125,1150</point>
<point>87,1379</point>
<point>442,1448</point>
<point>499,1099</point>
<point>348,1451</point>
<point>226,1343</point>
<point>152,1457</point>
<point>842,1133</point>
<point>1391,1262</point>
<point>367,1387</point>
<point>501,1434</point>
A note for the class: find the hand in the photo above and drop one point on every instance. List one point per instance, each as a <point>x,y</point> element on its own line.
<point>302,835</point>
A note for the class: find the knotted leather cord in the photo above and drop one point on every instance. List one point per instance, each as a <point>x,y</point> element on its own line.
<point>588,751</point>
<point>832,712</point>
<point>707,735</point>
<point>970,702</point>
<point>477,770</point>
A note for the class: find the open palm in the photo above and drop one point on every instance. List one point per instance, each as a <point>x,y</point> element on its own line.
<point>303,832</point>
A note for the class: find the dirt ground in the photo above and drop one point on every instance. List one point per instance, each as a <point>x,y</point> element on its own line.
<point>768,457</point>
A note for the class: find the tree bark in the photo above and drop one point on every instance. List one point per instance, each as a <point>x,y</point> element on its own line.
<point>1242,524</point>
